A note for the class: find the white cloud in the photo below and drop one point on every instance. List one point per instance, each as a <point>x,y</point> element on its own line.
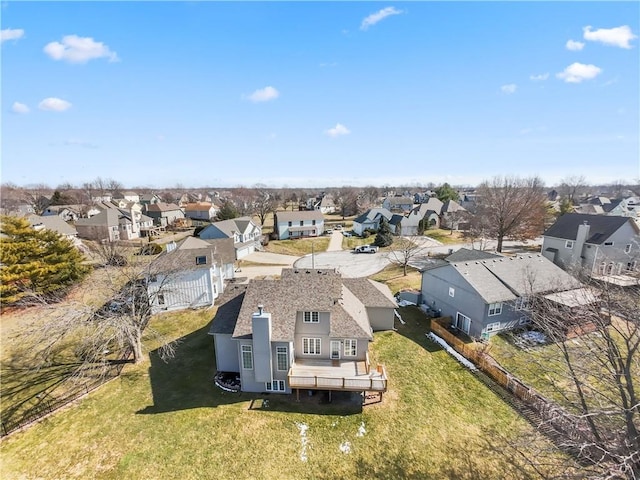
<point>539,78</point>
<point>378,16</point>
<point>616,37</point>
<point>264,95</point>
<point>18,107</point>
<point>509,88</point>
<point>11,34</point>
<point>577,72</point>
<point>574,45</point>
<point>53,104</point>
<point>75,49</point>
<point>337,131</point>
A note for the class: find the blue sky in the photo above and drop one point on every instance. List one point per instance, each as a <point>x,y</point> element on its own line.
<point>319,94</point>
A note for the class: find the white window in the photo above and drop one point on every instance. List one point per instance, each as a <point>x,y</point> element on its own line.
<point>568,244</point>
<point>281,358</point>
<point>524,320</point>
<point>452,291</point>
<point>275,386</point>
<point>247,357</point>
<point>350,348</point>
<point>492,327</point>
<point>495,309</point>
<point>522,303</point>
<point>201,260</point>
<point>160,299</point>
<point>311,317</point>
<point>608,244</point>
<point>631,266</point>
<point>627,248</point>
<point>311,346</point>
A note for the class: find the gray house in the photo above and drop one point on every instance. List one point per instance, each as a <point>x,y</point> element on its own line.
<point>370,220</point>
<point>164,214</point>
<point>600,244</point>
<point>246,234</point>
<point>398,204</point>
<point>309,330</point>
<point>483,297</point>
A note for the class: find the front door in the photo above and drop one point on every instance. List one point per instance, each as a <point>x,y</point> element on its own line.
<point>335,350</point>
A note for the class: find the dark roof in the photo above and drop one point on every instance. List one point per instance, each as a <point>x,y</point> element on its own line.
<point>468,255</point>
<point>228,310</point>
<point>601,227</point>
<point>396,219</point>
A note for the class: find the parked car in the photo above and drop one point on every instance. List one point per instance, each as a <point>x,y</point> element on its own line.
<point>338,227</point>
<point>328,230</point>
<point>347,234</point>
<point>366,249</point>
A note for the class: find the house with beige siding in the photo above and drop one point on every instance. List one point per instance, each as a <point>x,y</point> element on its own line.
<point>309,330</point>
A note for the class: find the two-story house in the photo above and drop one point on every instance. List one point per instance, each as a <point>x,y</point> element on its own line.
<point>370,220</point>
<point>488,295</point>
<point>246,234</point>
<point>190,274</point>
<point>164,214</point>
<point>200,211</point>
<point>308,330</point>
<point>597,244</point>
<point>299,224</point>
<point>398,204</point>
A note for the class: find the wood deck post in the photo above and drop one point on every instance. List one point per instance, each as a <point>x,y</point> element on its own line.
<point>297,394</point>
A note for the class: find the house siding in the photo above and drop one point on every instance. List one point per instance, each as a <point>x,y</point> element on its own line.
<point>187,290</point>
<point>381,318</point>
<point>226,353</point>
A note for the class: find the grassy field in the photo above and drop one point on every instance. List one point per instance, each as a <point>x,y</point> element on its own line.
<point>168,420</point>
<point>445,236</point>
<point>394,277</point>
<point>299,247</point>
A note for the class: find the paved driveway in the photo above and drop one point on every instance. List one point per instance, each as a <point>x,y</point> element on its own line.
<point>349,264</point>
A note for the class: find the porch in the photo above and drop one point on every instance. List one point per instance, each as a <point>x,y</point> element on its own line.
<point>344,375</point>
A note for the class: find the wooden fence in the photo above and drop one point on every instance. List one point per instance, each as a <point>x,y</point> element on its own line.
<point>552,414</point>
<point>47,407</point>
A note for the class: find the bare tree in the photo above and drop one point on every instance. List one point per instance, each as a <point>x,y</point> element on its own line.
<point>347,201</point>
<point>511,207</point>
<point>37,196</point>
<point>264,205</point>
<point>572,186</point>
<point>404,250</point>
<point>113,185</point>
<point>593,380</point>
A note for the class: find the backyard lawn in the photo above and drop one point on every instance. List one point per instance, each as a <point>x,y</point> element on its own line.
<point>167,420</point>
<point>395,279</point>
<point>445,236</point>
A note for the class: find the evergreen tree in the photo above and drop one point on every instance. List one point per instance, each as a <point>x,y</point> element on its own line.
<point>227,211</point>
<point>384,238</point>
<point>445,192</point>
<point>35,262</point>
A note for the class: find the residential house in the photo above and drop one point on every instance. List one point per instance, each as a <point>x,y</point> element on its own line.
<point>454,216</point>
<point>324,204</point>
<point>398,204</point>
<point>626,207</point>
<point>127,196</point>
<point>147,199</point>
<point>246,234</point>
<point>204,211</point>
<point>599,244</point>
<point>370,220</point>
<point>428,213</point>
<point>164,214</point>
<point>190,274</point>
<point>484,297</point>
<point>103,226</point>
<point>299,224</point>
<point>54,223</point>
<point>308,330</point>
<point>68,213</point>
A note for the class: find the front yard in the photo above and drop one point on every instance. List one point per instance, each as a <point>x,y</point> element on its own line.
<point>445,236</point>
<point>298,247</point>
<point>167,420</point>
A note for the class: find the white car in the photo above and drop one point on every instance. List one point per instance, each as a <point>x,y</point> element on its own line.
<point>366,249</point>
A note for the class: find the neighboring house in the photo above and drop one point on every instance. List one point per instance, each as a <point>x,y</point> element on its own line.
<point>370,220</point>
<point>101,197</point>
<point>398,204</point>
<point>484,297</point>
<point>190,274</point>
<point>299,224</point>
<point>147,199</point>
<point>54,223</point>
<point>428,213</point>
<point>68,213</point>
<point>325,205</point>
<point>164,214</point>
<point>600,244</point>
<point>308,330</point>
<point>454,216</point>
<point>246,234</point>
<point>103,226</point>
<point>200,211</point>
<point>627,207</point>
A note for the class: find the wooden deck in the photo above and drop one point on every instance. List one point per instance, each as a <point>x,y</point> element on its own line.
<point>343,375</point>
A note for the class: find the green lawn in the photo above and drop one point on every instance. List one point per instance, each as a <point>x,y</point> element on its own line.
<point>394,277</point>
<point>445,236</point>
<point>298,247</point>
<point>167,420</point>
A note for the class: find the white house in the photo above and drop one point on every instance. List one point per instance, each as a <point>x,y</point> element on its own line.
<point>246,234</point>
<point>299,224</point>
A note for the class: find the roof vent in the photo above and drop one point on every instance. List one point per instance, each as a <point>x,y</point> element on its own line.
<point>260,309</point>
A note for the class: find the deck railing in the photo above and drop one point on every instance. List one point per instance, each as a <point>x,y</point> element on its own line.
<point>376,384</point>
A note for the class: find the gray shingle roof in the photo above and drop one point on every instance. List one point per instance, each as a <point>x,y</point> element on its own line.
<point>601,227</point>
<point>306,290</point>
<point>300,215</point>
<point>53,222</point>
<point>230,303</point>
<point>467,255</point>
